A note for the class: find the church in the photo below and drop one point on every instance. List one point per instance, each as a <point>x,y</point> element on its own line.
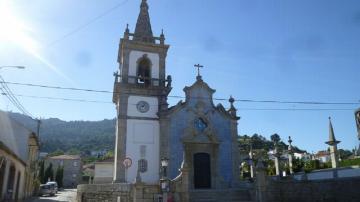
<point>194,133</point>
<point>188,151</point>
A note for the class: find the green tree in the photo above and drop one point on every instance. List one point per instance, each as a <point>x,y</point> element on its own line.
<point>41,175</point>
<point>59,176</point>
<point>57,153</point>
<point>344,154</point>
<point>49,173</point>
<point>312,165</point>
<point>275,138</point>
<point>73,151</point>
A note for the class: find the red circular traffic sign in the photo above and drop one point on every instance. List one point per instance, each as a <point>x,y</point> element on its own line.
<point>127,162</point>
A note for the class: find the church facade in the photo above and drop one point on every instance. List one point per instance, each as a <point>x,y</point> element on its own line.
<point>194,134</point>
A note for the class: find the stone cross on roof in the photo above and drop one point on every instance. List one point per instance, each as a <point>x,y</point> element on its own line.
<point>198,66</point>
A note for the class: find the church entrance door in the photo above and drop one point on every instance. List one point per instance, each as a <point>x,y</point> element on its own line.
<point>202,172</point>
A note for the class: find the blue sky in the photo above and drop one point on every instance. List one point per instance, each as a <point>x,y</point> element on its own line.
<point>251,49</point>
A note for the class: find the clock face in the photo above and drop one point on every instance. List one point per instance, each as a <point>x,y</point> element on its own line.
<point>142,106</point>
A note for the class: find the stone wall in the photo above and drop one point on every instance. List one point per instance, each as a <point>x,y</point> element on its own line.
<point>104,193</point>
<point>341,189</point>
<point>122,192</point>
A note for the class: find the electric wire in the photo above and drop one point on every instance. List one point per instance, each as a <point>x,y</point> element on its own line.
<point>83,26</point>
<point>183,97</point>
<point>9,94</point>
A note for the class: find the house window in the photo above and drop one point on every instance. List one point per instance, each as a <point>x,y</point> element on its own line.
<point>61,162</point>
<point>74,175</point>
<point>75,163</point>
<point>143,71</point>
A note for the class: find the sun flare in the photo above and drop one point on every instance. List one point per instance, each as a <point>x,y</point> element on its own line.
<point>15,30</point>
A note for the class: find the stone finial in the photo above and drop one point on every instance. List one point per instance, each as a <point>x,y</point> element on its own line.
<point>332,139</point>
<point>162,37</point>
<point>143,31</point>
<point>127,32</point>
<point>232,109</point>
<point>290,146</point>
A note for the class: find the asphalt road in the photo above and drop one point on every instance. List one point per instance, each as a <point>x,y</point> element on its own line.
<point>66,195</point>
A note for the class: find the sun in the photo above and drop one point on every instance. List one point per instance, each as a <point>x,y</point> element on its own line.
<point>13,29</point>
<point>16,31</point>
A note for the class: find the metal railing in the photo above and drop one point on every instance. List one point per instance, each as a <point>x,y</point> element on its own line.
<point>142,81</point>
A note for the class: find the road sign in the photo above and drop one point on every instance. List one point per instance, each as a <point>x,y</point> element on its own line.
<point>127,162</point>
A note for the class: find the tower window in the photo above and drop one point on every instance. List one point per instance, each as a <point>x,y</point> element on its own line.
<point>143,71</point>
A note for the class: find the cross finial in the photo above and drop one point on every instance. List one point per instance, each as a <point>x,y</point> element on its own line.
<point>198,66</point>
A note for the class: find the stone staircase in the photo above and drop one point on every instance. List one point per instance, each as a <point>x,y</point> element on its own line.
<point>221,195</point>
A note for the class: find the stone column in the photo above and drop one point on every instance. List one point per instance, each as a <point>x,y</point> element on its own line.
<point>251,160</point>
<point>290,149</point>
<point>277,163</point>
<point>6,178</point>
<point>120,144</point>
<point>333,145</point>
<point>260,188</point>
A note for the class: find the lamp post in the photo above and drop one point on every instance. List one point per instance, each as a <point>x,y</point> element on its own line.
<point>12,66</point>
<point>164,181</point>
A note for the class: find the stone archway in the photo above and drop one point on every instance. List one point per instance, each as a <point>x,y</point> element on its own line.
<point>202,171</point>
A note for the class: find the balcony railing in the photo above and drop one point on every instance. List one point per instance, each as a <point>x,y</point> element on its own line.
<point>143,81</point>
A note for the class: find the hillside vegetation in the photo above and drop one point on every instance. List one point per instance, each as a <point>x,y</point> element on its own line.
<point>83,136</point>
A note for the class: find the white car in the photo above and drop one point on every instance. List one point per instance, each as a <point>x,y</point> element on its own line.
<point>54,185</point>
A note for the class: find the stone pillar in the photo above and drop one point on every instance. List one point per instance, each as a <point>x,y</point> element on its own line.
<point>334,156</point>
<point>6,178</point>
<point>251,160</point>
<point>120,144</point>
<point>333,146</point>
<point>357,120</point>
<point>290,149</point>
<point>276,162</point>
<point>291,164</point>
<point>260,182</point>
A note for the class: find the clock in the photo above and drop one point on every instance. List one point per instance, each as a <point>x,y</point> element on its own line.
<point>142,106</point>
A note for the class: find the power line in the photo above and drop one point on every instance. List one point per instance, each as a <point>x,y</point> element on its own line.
<point>182,97</point>
<point>81,27</point>
<point>8,93</point>
<point>63,99</point>
<point>242,109</point>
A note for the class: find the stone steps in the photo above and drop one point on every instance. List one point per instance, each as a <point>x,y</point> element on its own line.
<point>225,195</point>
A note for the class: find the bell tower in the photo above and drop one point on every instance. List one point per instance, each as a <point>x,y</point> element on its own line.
<point>140,95</point>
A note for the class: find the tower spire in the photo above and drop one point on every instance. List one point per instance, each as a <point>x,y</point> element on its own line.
<point>143,31</point>
<point>332,139</point>
<point>333,146</point>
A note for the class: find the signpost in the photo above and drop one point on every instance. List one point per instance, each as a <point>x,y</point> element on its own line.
<point>127,164</point>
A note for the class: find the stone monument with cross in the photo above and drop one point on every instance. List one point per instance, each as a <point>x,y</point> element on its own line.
<point>357,119</point>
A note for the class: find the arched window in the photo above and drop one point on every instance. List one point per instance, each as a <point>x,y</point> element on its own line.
<point>143,71</point>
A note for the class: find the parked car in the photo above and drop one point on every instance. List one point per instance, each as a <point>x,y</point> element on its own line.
<point>46,189</point>
<point>54,185</point>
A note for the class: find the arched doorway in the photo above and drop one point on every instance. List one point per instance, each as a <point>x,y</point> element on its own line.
<point>202,171</point>
<point>11,182</point>
<point>2,175</point>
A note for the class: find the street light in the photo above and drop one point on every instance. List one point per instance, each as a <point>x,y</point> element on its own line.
<point>164,181</point>
<point>12,66</point>
<point>164,165</point>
